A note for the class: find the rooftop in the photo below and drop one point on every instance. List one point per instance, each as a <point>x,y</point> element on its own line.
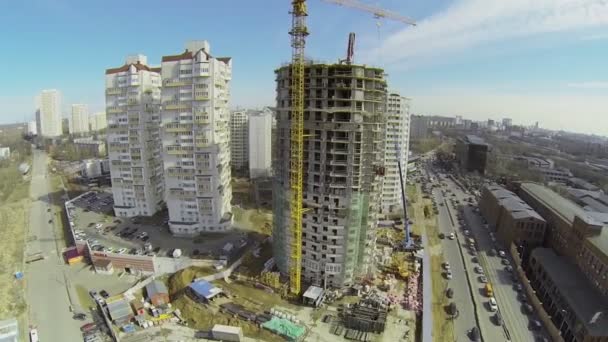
<point>558,204</point>
<point>473,139</point>
<point>154,287</point>
<point>513,204</point>
<point>119,309</point>
<point>205,289</point>
<point>583,184</point>
<point>573,286</point>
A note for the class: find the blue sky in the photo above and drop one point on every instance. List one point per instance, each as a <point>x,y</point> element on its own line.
<point>531,60</point>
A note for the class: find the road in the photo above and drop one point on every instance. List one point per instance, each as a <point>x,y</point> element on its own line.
<point>467,295</point>
<point>515,320</point>
<point>46,290</point>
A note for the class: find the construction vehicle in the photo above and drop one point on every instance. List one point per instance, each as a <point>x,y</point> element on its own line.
<point>298,33</point>
<point>489,290</point>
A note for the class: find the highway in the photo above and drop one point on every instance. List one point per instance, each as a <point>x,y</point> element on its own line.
<point>46,291</point>
<point>516,322</point>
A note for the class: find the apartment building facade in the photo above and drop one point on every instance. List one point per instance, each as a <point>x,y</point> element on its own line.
<point>260,144</point>
<point>80,119</point>
<point>48,113</point>
<point>396,149</point>
<point>239,135</point>
<point>98,122</point>
<point>344,114</point>
<point>196,140</point>
<point>133,141</point>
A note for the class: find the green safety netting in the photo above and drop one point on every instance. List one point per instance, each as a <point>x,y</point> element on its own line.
<point>284,328</point>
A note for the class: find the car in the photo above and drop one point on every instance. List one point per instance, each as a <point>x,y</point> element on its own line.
<point>483,279</point>
<point>93,294</point>
<point>99,225</point>
<point>492,252</point>
<point>475,260</point>
<point>80,316</point>
<point>88,327</point>
<point>121,251</point>
<point>536,324</point>
<point>448,275</point>
<point>505,262</point>
<point>446,265</point>
<point>51,221</point>
<point>109,249</point>
<point>519,287</point>
<point>441,235</point>
<point>502,254</point>
<point>449,293</point>
<point>104,294</point>
<point>145,238</point>
<point>479,269</point>
<point>528,308</point>
<point>451,236</point>
<point>497,318</point>
<point>467,232</point>
<point>492,304</point>
<point>509,269</point>
<point>474,334</point>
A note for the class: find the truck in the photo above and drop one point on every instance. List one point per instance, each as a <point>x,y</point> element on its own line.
<point>489,290</point>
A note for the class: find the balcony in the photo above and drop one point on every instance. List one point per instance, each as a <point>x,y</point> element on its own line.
<point>114,110</point>
<point>114,91</point>
<point>203,143</point>
<point>177,150</point>
<point>175,105</point>
<point>202,119</point>
<point>177,83</point>
<point>201,98</point>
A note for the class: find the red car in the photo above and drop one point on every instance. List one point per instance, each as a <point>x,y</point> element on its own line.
<point>88,327</point>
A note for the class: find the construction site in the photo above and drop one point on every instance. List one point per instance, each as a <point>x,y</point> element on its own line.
<point>336,266</point>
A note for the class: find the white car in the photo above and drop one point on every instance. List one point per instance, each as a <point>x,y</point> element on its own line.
<point>467,233</point>
<point>492,304</point>
<point>99,225</point>
<point>479,269</point>
<point>121,251</point>
<point>446,265</point>
<point>501,254</point>
<point>451,236</point>
<point>109,249</point>
<point>34,335</point>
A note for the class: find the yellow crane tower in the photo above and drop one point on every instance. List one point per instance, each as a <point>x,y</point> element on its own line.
<point>298,33</point>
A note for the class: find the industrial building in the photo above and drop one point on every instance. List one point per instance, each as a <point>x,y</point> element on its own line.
<point>472,153</point>
<point>344,113</point>
<point>580,236</point>
<point>574,305</point>
<point>196,140</point>
<point>90,147</point>
<point>512,218</point>
<point>396,147</point>
<point>239,133</point>
<point>132,107</point>
<point>259,144</point>
<point>48,114</point>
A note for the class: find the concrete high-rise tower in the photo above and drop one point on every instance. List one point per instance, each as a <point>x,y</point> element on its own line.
<point>133,115</point>
<point>238,138</point>
<point>196,140</point>
<point>344,113</point>
<point>260,144</point>
<point>48,113</point>
<point>98,121</point>
<point>80,119</point>
<point>396,144</point>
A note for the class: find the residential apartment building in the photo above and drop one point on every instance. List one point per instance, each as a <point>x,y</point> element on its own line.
<point>90,147</point>
<point>396,146</point>
<point>98,121</point>
<point>344,109</point>
<point>239,132</point>
<point>196,140</point>
<point>260,144</point>
<point>419,127</point>
<point>80,119</point>
<point>133,114</point>
<point>48,113</point>
<point>513,219</point>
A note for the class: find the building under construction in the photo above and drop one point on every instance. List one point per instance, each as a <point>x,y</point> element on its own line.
<point>344,112</point>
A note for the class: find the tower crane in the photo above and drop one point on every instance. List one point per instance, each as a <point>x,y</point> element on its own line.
<point>298,33</point>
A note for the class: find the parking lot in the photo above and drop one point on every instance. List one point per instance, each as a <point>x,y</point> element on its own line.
<point>93,221</point>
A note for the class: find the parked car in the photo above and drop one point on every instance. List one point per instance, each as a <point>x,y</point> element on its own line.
<point>483,279</point>
<point>104,294</point>
<point>492,252</point>
<point>448,275</point>
<point>492,304</point>
<point>452,236</point>
<point>80,316</point>
<point>446,265</point>
<point>536,324</point>
<point>501,254</point>
<point>449,293</point>
<point>478,269</point>
<point>497,318</point>
<point>474,334</point>
<point>505,262</point>
<point>88,327</point>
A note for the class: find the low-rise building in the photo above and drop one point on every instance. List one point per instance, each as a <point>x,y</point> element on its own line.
<point>555,175</point>
<point>514,220</point>
<point>574,305</point>
<point>579,235</point>
<point>157,293</point>
<point>582,184</point>
<point>90,147</point>
<point>120,311</point>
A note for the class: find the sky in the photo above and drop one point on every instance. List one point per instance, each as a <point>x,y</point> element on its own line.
<point>529,60</point>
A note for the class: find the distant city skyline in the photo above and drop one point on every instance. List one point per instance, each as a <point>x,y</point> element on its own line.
<point>532,61</point>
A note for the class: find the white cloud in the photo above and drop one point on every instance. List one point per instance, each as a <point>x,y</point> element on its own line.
<point>468,24</point>
<point>589,85</point>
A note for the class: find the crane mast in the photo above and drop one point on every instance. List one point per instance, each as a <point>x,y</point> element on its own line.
<point>298,33</point>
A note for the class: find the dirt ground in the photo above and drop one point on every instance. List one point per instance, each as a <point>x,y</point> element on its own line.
<point>13,225</point>
<point>442,326</point>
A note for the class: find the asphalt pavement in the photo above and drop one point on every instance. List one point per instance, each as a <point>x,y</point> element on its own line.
<point>516,321</point>
<point>46,290</point>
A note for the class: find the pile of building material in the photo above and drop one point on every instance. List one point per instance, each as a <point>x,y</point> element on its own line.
<point>413,296</point>
<point>285,328</point>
